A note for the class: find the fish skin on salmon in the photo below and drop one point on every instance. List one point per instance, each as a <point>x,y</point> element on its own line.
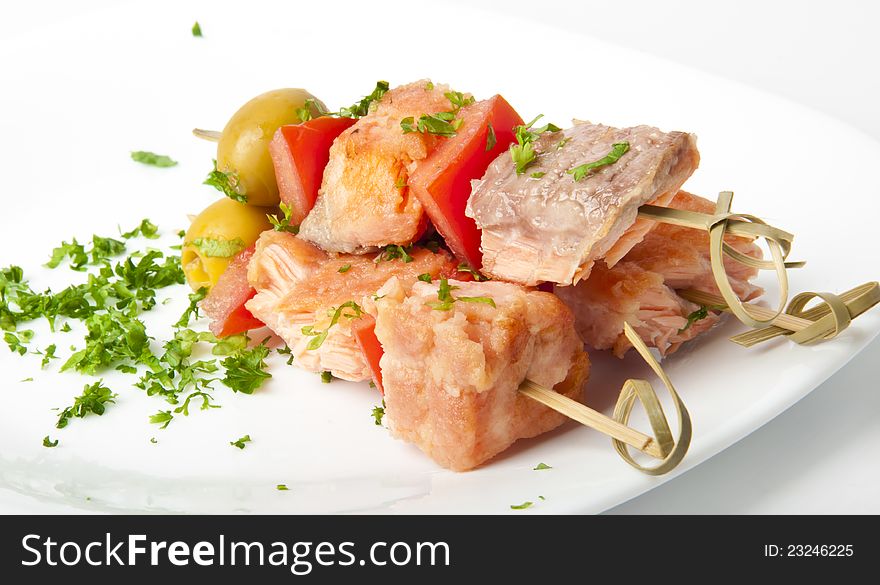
<point>551,228</point>
<point>298,285</point>
<point>364,202</point>
<point>451,377</point>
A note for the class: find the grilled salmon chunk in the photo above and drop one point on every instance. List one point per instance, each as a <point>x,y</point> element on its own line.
<point>451,376</point>
<point>300,286</point>
<point>641,288</point>
<point>543,225</point>
<point>364,201</point>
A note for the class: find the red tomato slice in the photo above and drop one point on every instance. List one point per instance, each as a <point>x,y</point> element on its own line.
<point>225,303</point>
<point>442,182</point>
<point>364,331</point>
<point>299,153</point>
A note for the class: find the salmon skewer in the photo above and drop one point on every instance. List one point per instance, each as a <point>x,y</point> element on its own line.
<point>364,201</point>
<point>452,377</point>
<point>641,288</point>
<point>300,286</point>
<point>543,225</point>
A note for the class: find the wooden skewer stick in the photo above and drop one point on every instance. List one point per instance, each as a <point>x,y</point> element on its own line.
<point>210,135</point>
<point>591,418</point>
<point>784,320</point>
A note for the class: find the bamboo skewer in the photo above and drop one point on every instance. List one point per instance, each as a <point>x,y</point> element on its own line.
<point>591,418</point>
<point>210,135</point>
<point>784,320</point>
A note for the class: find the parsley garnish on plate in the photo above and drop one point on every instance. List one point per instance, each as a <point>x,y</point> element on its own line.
<point>282,487</point>
<point>196,29</point>
<point>378,413</point>
<point>425,277</point>
<point>94,399</point>
<point>47,442</point>
<point>326,377</point>
<point>440,124</point>
<point>146,229</point>
<point>344,268</point>
<point>192,311</point>
<point>240,443</point>
<point>541,467</point>
<point>163,417</point>
<point>246,369</point>
<point>227,183</point>
<point>522,506</point>
<point>305,113</point>
<point>151,158</point>
<point>617,150</point>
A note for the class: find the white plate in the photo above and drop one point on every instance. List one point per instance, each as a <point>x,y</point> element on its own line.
<point>77,99</point>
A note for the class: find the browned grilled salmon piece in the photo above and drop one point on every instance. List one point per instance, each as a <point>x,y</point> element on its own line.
<point>364,201</point>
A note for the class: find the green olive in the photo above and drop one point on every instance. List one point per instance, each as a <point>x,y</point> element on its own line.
<point>216,235</point>
<point>243,148</point>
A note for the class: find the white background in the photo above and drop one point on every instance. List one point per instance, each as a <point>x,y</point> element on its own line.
<point>821,456</point>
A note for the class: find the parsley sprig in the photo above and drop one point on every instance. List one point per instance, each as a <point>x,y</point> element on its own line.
<point>446,300</point>
<point>618,149</point>
<point>227,183</point>
<point>94,399</point>
<point>318,337</point>
<point>523,152</point>
<point>283,224</point>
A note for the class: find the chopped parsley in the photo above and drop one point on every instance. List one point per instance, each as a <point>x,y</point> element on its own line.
<point>537,174</point>
<point>192,311</point>
<point>288,352</point>
<point>240,443</point>
<point>48,354</point>
<point>218,247</point>
<point>47,442</point>
<point>26,380</point>
<point>283,224</point>
<point>467,269</point>
<point>697,315</point>
<point>344,268</point>
<point>446,300</point>
<point>541,467</point>
<point>196,29</point>
<point>400,183</point>
<point>523,152</point>
<point>146,229</point>
<point>378,413</point>
<point>94,399</point>
<point>246,369</point>
<point>362,108</point>
<point>429,86</point>
<point>440,124</point>
<point>18,341</point>
<point>318,337</point>
<point>114,338</point>
<point>617,150</point>
<point>151,158</point>
<point>491,139</point>
<point>458,100</point>
<point>394,252</point>
<point>425,277</point>
<point>522,506</point>
<point>305,113</point>
<point>227,183</point>
<point>282,488</point>
<point>163,417</point>
<point>326,377</point>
